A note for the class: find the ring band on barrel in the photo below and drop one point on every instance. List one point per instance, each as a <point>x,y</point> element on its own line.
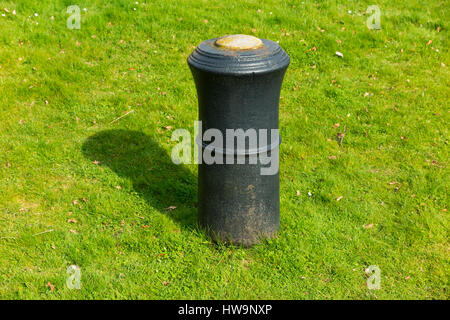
<point>238,152</point>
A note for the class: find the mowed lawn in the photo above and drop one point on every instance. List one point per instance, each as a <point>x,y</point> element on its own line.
<point>86,177</point>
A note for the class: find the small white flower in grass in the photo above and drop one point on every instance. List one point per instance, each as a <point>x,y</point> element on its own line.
<point>134,9</point>
<point>14,12</point>
<point>84,9</point>
<point>349,11</point>
<point>36,15</point>
<point>270,13</point>
<point>309,193</point>
<point>339,54</point>
<point>3,14</point>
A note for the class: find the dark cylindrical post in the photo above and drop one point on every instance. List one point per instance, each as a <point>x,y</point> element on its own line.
<point>238,80</point>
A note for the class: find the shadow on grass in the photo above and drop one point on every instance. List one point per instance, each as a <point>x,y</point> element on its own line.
<point>135,155</point>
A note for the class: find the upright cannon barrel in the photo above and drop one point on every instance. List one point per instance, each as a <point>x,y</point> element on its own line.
<point>238,80</point>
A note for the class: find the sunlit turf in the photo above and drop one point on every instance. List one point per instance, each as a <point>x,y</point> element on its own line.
<point>78,188</point>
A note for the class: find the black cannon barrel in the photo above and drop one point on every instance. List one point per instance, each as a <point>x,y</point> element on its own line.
<point>238,80</point>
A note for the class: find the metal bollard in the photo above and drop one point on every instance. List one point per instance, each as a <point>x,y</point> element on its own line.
<point>238,80</point>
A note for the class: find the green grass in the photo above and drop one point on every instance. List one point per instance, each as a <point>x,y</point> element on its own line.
<point>392,167</point>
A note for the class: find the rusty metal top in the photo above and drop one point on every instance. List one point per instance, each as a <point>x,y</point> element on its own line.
<point>239,42</point>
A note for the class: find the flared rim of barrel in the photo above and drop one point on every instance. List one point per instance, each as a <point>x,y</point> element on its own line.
<point>209,57</point>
